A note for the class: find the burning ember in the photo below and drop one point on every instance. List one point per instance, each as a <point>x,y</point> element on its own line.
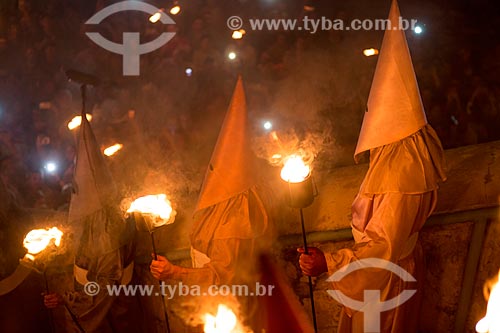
<point>77,121</point>
<point>224,321</point>
<point>295,170</point>
<point>155,17</point>
<point>175,10</point>
<point>370,52</point>
<point>38,239</point>
<point>158,207</point>
<point>238,34</point>
<point>111,150</point>
<point>491,322</point>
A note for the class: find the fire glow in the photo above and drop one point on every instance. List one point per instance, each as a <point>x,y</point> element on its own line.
<point>156,16</point>
<point>238,34</point>
<point>37,240</point>
<point>77,121</point>
<point>295,170</point>
<point>175,10</point>
<point>111,150</point>
<point>224,321</point>
<point>156,206</point>
<point>370,52</point>
<point>491,322</point>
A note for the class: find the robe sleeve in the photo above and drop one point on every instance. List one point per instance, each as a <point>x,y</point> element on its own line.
<point>385,225</point>
<point>225,256</point>
<point>92,310</point>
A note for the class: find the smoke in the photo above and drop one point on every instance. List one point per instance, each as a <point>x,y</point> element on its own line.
<point>277,146</point>
<point>316,109</point>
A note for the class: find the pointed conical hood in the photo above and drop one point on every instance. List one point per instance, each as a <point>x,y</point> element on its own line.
<point>92,179</point>
<point>94,203</point>
<point>395,108</point>
<point>231,169</point>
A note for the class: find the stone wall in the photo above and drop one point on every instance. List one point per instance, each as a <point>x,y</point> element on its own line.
<point>473,183</point>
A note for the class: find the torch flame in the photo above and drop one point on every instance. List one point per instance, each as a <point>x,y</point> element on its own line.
<point>77,121</point>
<point>175,10</point>
<point>111,150</point>
<point>295,170</point>
<point>157,206</point>
<point>370,52</point>
<point>38,239</point>
<point>155,17</point>
<point>491,322</point>
<point>238,34</point>
<point>223,322</point>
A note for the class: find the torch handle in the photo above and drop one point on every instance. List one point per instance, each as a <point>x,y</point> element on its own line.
<point>46,282</point>
<point>83,91</point>
<point>304,238</point>
<point>161,284</point>
<point>51,318</point>
<point>153,244</point>
<point>74,318</point>
<point>311,288</point>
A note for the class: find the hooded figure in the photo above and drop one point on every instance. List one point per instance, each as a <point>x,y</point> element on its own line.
<point>104,252</point>
<point>230,215</point>
<point>398,194</point>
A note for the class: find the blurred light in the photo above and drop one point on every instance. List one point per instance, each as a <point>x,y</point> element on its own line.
<point>295,170</point>
<point>370,52</point>
<point>189,71</point>
<point>51,167</point>
<point>308,8</point>
<point>418,30</point>
<point>111,150</point>
<point>77,121</point>
<point>175,10</point>
<point>155,17</point>
<point>268,125</point>
<point>276,156</point>
<point>238,34</point>
<point>231,55</point>
<point>158,206</point>
<point>38,239</point>
<point>223,322</point>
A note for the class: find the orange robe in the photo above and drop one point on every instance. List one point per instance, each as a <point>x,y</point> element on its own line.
<point>397,196</point>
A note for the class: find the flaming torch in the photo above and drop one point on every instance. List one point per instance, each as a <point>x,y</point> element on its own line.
<point>491,322</point>
<point>224,321</point>
<point>151,212</point>
<point>300,195</point>
<point>77,121</point>
<point>36,241</point>
<point>111,150</point>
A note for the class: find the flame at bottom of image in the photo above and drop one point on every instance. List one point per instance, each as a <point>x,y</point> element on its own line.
<point>225,321</point>
<point>491,322</point>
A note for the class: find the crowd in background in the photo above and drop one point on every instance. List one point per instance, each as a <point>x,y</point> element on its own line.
<point>173,110</point>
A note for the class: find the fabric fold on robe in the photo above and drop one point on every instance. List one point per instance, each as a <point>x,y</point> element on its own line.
<point>105,246</point>
<point>387,215</point>
<point>227,234</point>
